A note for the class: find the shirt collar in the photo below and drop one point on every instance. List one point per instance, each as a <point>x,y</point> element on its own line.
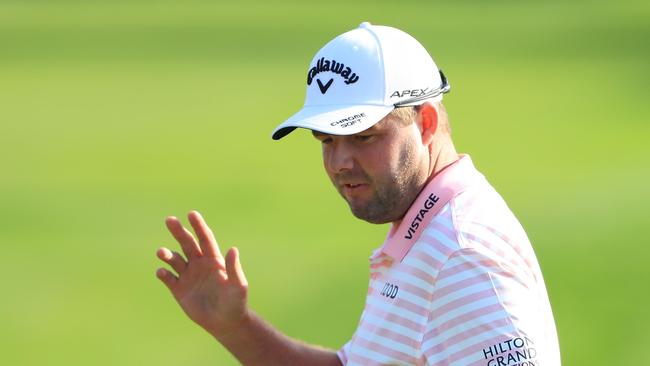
<point>449,182</point>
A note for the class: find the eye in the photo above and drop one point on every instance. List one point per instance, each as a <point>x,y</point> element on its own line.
<point>323,138</point>
<point>364,138</point>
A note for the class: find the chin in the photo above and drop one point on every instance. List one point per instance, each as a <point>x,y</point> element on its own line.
<point>370,217</point>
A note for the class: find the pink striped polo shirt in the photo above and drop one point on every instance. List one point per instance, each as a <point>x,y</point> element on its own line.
<point>456,283</point>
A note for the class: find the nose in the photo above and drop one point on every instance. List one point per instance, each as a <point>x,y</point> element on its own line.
<point>339,157</point>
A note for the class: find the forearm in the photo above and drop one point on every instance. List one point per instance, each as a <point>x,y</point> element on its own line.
<point>212,290</point>
<point>257,343</point>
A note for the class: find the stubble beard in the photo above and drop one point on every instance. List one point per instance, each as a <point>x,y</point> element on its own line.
<point>392,196</point>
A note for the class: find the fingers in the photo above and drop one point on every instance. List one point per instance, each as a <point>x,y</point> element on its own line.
<point>184,238</point>
<point>207,242</point>
<point>233,268</point>
<point>174,259</point>
<point>167,278</point>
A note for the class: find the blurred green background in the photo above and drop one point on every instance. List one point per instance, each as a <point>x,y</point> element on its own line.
<point>115,114</point>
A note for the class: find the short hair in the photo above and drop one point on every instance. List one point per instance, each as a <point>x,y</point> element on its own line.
<point>407,115</point>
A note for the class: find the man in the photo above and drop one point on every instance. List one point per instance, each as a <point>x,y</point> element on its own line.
<point>455,283</point>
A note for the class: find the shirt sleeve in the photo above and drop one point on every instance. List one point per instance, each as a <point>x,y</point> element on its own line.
<point>343,353</point>
<point>482,313</point>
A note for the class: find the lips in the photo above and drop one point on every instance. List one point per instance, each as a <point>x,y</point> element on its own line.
<point>352,185</point>
<point>353,189</point>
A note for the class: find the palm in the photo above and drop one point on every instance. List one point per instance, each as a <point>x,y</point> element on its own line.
<point>210,289</point>
<point>205,294</point>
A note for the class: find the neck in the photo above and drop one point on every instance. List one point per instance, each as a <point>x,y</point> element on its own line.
<point>441,155</point>
<point>444,156</point>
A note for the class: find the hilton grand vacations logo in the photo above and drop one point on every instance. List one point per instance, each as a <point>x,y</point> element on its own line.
<point>513,352</point>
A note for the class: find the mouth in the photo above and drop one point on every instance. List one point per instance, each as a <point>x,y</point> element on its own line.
<point>352,186</point>
<point>352,189</point>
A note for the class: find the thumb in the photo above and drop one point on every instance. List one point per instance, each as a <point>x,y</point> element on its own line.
<point>233,268</point>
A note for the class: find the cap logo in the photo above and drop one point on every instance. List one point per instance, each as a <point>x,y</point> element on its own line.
<point>323,88</point>
<point>348,121</point>
<point>339,68</point>
<point>411,93</point>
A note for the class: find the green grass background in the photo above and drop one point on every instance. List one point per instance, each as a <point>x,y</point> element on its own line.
<point>115,114</point>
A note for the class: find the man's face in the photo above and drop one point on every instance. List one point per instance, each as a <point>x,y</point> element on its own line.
<point>379,171</point>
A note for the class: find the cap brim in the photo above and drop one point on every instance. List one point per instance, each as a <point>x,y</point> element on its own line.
<point>334,120</point>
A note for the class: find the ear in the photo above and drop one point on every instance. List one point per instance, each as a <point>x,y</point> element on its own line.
<point>428,122</point>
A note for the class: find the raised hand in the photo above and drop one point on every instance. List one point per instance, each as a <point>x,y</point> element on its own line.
<point>212,291</point>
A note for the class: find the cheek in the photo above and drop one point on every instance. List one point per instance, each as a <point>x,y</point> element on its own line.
<point>326,162</point>
<point>324,155</point>
<point>380,164</point>
<point>400,154</point>
<point>402,161</point>
<point>407,154</point>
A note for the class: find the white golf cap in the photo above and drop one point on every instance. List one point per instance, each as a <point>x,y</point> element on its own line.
<point>360,76</point>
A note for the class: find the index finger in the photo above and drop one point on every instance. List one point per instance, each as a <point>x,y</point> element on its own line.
<point>207,242</point>
<point>183,237</point>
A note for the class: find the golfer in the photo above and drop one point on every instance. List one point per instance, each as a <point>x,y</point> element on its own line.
<point>456,282</point>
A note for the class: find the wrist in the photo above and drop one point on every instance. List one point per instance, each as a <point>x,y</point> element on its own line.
<point>228,333</point>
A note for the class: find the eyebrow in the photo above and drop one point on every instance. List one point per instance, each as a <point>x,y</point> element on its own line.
<point>317,133</point>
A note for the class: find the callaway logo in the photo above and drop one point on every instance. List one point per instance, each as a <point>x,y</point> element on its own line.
<point>323,65</point>
<point>428,204</point>
<point>323,88</point>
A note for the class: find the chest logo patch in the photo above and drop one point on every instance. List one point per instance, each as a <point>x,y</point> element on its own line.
<point>513,352</point>
<point>390,291</point>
